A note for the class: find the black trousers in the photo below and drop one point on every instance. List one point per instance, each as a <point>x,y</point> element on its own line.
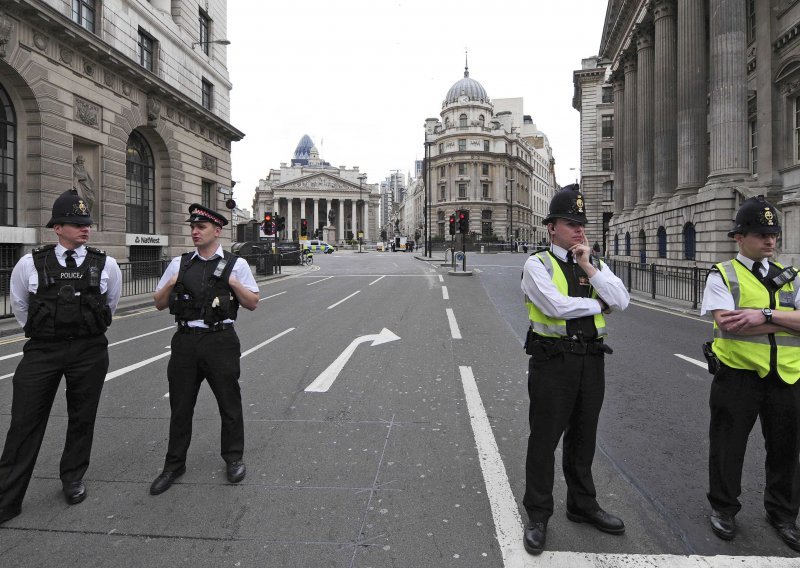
<point>214,357</point>
<point>737,398</point>
<point>566,394</point>
<point>84,363</point>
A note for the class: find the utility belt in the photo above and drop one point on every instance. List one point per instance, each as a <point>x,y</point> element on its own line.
<point>542,348</point>
<point>183,327</point>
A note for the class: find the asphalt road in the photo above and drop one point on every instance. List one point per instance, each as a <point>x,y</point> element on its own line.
<point>405,448</point>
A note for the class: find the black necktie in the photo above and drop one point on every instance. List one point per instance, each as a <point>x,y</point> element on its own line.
<point>569,257</point>
<point>756,270</point>
<point>70,259</point>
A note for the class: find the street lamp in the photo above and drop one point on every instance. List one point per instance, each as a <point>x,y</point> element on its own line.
<point>511,209</point>
<point>217,41</point>
<point>361,179</point>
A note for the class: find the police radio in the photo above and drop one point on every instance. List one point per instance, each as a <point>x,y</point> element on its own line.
<point>784,277</point>
<point>220,268</point>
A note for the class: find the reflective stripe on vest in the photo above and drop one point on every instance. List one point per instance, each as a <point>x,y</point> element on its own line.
<point>554,327</point>
<point>752,352</point>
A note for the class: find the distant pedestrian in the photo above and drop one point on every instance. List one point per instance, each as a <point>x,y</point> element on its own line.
<point>755,304</point>
<point>566,295</point>
<point>203,290</point>
<point>64,296</point>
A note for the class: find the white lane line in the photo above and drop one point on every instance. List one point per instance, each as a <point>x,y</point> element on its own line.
<point>378,280</point>
<point>451,318</point>
<point>505,513</point>
<point>318,281</point>
<point>268,297</point>
<point>441,278</point>
<point>129,368</point>
<point>343,300</point>
<point>270,340</point>
<point>445,295</point>
<point>6,376</point>
<point>693,361</point>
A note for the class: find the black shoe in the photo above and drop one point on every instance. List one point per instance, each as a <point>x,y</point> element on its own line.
<point>603,521</point>
<point>8,513</point>
<point>787,531</point>
<point>723,524</point>
<point>164,481</point>
<point>236,471</point>
<point>74,491</point>
<point>534,537</point>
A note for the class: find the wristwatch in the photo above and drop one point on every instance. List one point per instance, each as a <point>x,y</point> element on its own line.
<point>767,314</point>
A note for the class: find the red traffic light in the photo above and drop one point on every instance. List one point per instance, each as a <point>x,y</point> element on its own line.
<point>267,217</point>
<point>461,216</point>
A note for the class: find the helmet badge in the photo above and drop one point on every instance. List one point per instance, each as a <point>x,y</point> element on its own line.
<point>767,217</point>
<point>578,204</point>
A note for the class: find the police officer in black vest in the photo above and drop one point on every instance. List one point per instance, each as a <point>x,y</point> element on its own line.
<point>64,296</point>
<point>204,290</point>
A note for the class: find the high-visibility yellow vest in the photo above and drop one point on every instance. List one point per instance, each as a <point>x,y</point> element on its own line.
<point>758,353</point>
<point>553,327</point>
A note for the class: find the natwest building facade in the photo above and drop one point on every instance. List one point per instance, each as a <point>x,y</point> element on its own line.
<point>126,101</point>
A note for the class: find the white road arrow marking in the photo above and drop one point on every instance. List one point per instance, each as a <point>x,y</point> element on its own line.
<point>325,379</point>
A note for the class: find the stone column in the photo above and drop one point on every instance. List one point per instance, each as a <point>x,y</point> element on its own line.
<point>618,80</point>
<point>629,122</point>
<point>644,115</point>
<point>665,159</point>
<point>316,214</point>
<point>340,221</point>
<point>354,217</point>
<point>692,92</point>
<point>365,212</point>
<point>728,112</point>
<point>289,203</point>
<point>303,208</point>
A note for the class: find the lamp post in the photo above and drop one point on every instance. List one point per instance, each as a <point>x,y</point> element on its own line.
<point>217,41</point>
<point>361,179</point>
<point>511,210</point>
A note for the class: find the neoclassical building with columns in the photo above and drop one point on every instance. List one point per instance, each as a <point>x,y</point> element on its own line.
<point>337,201</point>
<point>706,111</point>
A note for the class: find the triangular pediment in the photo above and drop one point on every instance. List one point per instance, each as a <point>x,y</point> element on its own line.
<point>318,182</point>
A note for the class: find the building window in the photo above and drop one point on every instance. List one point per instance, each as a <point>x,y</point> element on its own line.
<point>607,128</point>
<point>481,120</point>
<point>751,21</point>
<point>642,247</point>
<point>146,48</point>
<point>485,190</point>
<point>627,244</point>
<point>441,172</point>
<point>616,245</point>
<point>608,191</point>
<point>462,191</point>
<point>608,95</point>
<point>485,145</point>
<point>797,129</point>
<point>8,161</point>
<point>462,169</point>
<point>753,125</point>
<point>204,23</point>
<point>462,120</point>
<point>462,145</point>
<point>441,193</point>
<point>608,159</point>
<point>83,13</point>
<point>207,191</point>
<point>441,147</point>
<point>485,169</point>
<point>208,95</point>
<point>689,241</point>
<point>139,186</point>
<point>662,242</point>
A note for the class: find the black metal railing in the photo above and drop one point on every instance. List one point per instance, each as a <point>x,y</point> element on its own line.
<point>685,283</point>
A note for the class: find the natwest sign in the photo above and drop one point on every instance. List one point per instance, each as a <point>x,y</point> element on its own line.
<point>147,240</point>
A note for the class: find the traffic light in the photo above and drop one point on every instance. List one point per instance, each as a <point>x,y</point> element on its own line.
<point>303,227</point>
<point>452,224</point>
<point>268,226</point>
<point>463,222</point>
<point>280,224</point>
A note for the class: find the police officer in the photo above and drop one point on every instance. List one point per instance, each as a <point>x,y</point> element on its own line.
<point>204,289</point>
<point>566,293</point>
<point>756,308</point>
<point>64,296</point>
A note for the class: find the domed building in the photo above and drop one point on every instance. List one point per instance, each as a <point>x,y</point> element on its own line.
<point>336,204</point>
<point>488,158</point>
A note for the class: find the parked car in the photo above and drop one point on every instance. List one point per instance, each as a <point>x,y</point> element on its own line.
<point>318,246</point>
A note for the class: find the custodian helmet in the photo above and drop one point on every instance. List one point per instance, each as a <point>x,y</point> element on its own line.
<point>756,215</point>
<point>69,207</point>
<point>567,204</point>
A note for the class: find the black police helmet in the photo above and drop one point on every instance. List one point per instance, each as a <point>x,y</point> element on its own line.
<point>756,215</point>
<point>70,208</point>
<point>199,212</point>
<point>567,204</point>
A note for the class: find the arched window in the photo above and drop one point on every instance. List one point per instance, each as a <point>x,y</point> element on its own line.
<point>642,247</point>
<point>627,244</point>
<point>481,120</point>
<point>616,245</point>
<point>608,191</point>
<point>140,186</point>
<point>462,120</point>
<point>689,244</point>
<point>662,242</point>
<point>8,161</point>
<point>447,122</point>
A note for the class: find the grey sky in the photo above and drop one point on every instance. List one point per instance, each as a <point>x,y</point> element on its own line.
<point>361,76</point>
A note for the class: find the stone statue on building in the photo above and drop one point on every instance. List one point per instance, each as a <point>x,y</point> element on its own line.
<point>331,216</point>
<point>82,181</point>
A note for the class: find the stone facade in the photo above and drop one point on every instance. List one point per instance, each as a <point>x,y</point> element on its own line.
<point>706,100</point>
<point>83,110</point>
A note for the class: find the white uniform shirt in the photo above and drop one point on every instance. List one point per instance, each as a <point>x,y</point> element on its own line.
<point>716,295</point>
<point>25,280</point>
<point>542,291</point>
<point>241,271</point>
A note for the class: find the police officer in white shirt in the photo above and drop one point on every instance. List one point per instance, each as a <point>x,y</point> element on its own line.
<point>64,296</point>
<point>204,290</point>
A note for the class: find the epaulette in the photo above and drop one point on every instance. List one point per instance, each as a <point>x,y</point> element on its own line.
<point>713,269</point>
<point>95,250</point>
<point>43,248</point>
